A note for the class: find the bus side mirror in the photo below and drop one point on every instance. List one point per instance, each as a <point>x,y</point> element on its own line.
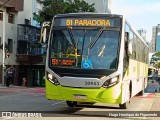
<point>130,48</point>
<point>43,34</point>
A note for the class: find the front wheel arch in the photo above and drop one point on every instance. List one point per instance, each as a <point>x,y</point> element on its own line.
<point>125,105</point>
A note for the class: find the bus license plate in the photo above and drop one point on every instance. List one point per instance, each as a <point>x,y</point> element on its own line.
<point>80,97</point>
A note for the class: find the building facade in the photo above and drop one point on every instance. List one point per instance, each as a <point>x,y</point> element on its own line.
<point>8,30</point>
<point>26,16</point>
<point>155,38</point>
<point>29,53</point>
<point>101,6</point>
<point>142,33</point>
<point>20,35</point>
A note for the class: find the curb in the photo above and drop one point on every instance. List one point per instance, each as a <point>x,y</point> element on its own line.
<point>12,87</point>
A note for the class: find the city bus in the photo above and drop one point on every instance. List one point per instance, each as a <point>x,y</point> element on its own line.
<point>94,58</point>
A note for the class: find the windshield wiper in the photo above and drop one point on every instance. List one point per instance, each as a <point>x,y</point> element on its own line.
<point>96,37</point>
<point>71,36</point>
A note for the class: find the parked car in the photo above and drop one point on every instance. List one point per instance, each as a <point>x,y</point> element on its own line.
<point>153,77</point>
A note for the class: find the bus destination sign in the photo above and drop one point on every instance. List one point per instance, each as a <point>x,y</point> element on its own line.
<point>88,22</point>
<point>63,62</point>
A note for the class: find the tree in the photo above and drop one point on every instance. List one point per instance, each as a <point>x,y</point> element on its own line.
<point>155,60</point>
<point>53,7</point>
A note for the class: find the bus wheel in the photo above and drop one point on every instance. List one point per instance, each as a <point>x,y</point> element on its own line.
<point>141,93</point>
<point>123,106</point>
<point>71,103</point>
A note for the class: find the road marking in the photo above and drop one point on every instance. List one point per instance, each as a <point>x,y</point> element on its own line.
<point>58,103</point>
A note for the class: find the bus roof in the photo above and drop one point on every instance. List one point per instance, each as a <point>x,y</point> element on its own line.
<point>138,35</point>
<point>87,14</point>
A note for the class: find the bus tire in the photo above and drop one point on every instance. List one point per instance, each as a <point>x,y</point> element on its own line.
<point>141,93</point>
<point>71,103</point>
<point>123,106</point>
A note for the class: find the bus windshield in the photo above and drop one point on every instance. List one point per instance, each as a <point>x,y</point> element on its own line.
<point>84,48</point>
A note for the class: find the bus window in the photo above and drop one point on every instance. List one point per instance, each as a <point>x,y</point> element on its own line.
<point>126,57</point>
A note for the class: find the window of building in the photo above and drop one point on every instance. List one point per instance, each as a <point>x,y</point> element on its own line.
<point>22,47</point>
<point>10,18</point>
<point>10,45</point>
<point>1,15</point>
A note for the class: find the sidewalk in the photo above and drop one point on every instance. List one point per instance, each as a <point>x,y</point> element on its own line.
<point>13,86</point>
<point>155,106</point>
<point>156,103</point>
<point>21,89</point>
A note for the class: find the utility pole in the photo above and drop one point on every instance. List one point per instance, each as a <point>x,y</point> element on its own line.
<point>4,35</point>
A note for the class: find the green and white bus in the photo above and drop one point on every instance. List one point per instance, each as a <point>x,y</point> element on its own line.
<point>95,58</point>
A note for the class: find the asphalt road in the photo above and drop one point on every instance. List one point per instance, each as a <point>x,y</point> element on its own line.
<point>32,100</point>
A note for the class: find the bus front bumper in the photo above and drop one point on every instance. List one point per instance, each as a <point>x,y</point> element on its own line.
<point>110,95</point>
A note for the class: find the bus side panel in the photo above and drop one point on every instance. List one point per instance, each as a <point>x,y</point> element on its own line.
<point>110,95</point>
<point>146,74</point>
<point>130,76</point>
<point>136,75</point>
<point>139,82</point>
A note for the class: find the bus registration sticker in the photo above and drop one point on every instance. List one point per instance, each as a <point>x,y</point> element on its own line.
<point>80,97</point>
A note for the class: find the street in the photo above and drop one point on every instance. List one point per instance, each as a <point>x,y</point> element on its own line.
<point>80,50</point>
<point>23,99</point>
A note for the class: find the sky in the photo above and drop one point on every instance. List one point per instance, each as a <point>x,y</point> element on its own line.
<point>139,13</point>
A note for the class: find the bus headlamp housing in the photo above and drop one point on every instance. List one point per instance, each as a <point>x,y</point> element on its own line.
<point>53,79</point>
<point>110,82</point>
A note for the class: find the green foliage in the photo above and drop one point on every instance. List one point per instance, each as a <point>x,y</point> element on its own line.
<point>53,7</point>
<point>157,65</point>
<point>155,60</point>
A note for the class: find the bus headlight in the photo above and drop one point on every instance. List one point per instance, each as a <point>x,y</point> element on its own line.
<point>110,82</point>
<point>53,79</point>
